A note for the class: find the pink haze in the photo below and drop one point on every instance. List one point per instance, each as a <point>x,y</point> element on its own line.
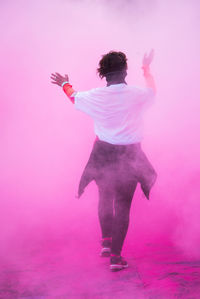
<point>45,142</point>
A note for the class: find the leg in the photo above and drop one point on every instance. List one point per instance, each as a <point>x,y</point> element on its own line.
<point>105,209</point>
<point>124,192</point>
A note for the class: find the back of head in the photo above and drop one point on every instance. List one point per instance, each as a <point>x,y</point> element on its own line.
<point>113,65</point>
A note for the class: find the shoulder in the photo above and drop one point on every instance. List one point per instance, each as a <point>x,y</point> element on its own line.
<point>142,90</point>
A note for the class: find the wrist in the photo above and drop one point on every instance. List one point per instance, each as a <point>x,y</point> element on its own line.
<point>146,70</point>
<point>65,82</point>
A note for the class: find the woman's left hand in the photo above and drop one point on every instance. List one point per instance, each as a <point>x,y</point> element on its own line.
<point>58,79</point>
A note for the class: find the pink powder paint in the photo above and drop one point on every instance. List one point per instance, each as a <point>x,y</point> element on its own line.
<point>45,143</point>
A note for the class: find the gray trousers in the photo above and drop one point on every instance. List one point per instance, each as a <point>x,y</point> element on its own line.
<point>116,170</point>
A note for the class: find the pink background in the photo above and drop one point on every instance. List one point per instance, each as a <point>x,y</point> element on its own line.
<point>45,143</point>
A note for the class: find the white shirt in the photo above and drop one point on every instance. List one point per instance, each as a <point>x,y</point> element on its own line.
<point>116,110</point>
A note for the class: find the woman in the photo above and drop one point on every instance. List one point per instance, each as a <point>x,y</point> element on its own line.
<point>117,162</point>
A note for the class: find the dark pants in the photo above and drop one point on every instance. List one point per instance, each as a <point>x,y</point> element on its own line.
<point>116,190</point>
<point>113,210</point>
<point>116,170</point>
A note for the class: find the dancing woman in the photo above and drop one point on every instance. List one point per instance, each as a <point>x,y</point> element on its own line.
<point>117,162</point>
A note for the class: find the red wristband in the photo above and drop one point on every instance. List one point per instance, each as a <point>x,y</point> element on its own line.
<point>68,89</point>
<point>146,70</point>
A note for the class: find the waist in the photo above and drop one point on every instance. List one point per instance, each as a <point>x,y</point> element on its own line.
<point>116,147</point>
<point>105,142</point>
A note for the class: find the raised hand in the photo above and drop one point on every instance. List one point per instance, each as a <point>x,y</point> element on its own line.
<point>58,79</point>
<point>147,59</point>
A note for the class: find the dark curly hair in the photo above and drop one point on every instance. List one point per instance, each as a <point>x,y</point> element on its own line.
<point>112,63</point>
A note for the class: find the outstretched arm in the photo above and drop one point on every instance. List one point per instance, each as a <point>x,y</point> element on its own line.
<point>64,83</point>
<point>149,80</point>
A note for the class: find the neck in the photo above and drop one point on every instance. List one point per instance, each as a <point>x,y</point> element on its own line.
<point>116,82</point>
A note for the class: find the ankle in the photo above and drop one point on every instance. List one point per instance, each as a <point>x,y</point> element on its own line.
<point>115,255</point>
<point>107,238</point>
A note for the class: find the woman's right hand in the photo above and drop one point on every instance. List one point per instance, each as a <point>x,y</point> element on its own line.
<point>147,59</point>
